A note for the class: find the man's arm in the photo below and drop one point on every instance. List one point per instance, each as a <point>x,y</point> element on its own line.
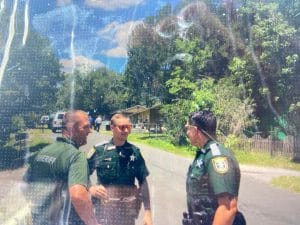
<point>82,203</point>
<point>226,210</point>
<point>144,189</point>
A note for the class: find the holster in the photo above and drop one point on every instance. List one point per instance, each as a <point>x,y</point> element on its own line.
<point>186,219</point>
<point>239,219</point>
<point>201,218</point>
<point>196,218</point>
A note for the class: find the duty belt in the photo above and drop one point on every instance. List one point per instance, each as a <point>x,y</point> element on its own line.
<point>123,199</point>
<point>121,208</point>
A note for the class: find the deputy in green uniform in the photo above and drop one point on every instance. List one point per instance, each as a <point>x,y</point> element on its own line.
<point>57,177</point>
<point>213,179</point>
<point>119,165</point>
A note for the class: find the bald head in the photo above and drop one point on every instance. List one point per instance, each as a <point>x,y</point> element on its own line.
<point>72,118</point>
<point>76,126</point>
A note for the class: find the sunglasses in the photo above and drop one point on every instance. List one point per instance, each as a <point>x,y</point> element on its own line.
<point>123,127</point>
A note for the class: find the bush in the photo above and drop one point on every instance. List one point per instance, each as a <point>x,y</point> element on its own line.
<point>176,115</point>
<point>32,120</point>
<point>17,123</point>
<point>231,142</point>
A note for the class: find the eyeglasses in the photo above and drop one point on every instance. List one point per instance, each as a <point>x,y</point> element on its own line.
<point>123,127</point>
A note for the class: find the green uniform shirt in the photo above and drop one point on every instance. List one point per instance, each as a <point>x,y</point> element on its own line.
<point>51,171</point>
<point>214,171</point>
<point>118,165</point>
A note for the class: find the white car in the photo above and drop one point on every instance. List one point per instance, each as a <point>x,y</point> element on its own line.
<point>57,121</point>
<point>44,119</point>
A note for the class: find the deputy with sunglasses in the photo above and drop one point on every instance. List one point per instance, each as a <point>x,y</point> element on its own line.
<point>213,178</point>
<point>118,165</point>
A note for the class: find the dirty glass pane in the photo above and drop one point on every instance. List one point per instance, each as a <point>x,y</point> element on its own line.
<point>155,61</point>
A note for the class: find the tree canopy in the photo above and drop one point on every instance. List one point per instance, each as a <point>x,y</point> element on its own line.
<point>240,59</point>
<point>31,78</point>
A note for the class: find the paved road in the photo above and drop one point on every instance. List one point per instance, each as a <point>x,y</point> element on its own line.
<point>261,203</point>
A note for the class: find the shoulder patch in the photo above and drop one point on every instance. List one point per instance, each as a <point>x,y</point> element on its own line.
<point>91,153</point>
<point>220,164</point>
<point>215,151</point>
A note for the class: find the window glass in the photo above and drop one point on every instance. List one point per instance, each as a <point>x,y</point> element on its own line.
<point>156,61</point>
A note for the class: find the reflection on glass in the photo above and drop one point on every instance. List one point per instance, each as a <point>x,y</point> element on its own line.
<point>158,61</point>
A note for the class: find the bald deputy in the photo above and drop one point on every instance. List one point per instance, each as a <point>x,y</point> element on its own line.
<point>57,177</point>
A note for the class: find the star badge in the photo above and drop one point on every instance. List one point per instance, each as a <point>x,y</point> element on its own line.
<point>199,163</point>
<point>132,158</point>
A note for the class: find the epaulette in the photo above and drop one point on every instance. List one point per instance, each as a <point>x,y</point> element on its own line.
<point>90,153</point>
<point>215,151</point>
<point>109,147</point>
<point>100,144</point>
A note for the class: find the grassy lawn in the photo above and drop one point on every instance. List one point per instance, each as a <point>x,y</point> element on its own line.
<point>40,139</point>
<point>161,142</point>
<point>244,157</point>
<point>265,159</point>
<point>287,182</point>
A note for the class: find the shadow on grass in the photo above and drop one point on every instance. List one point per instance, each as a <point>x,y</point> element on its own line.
<point>296,160</point>
<point>14,157</point>
<point>153,136</point>
<point>38,147</point>
<point>11,158</point>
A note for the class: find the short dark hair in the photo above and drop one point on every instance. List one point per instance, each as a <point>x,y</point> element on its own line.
<point>204,120</point>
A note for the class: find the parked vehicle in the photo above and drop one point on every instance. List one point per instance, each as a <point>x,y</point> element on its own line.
<point>57,121</point>
<point>44,119</point>
<point>51,117</point>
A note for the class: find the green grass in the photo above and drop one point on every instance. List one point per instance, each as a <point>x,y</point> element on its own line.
<point>161,142</point>
<point>265,159</point>
<point>244,157</point>
<point>39,138</point>
<point>287,182</point>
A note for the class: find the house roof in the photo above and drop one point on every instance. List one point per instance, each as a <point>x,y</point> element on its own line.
<point>138,109</point>
<point>135,109</point>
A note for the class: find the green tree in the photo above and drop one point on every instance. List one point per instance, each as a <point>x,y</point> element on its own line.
<point>275,62</point>
<point>147,69</point>
<point>101,90</point>
<point>31,77</point>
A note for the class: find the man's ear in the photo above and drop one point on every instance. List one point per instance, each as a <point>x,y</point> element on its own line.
<point>199,132</point>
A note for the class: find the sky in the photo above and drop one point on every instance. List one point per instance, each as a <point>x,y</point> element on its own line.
<point>89,33</point>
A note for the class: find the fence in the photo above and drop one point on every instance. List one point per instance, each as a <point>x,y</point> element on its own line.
<point>289,147</point>
<point>147,127</point>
